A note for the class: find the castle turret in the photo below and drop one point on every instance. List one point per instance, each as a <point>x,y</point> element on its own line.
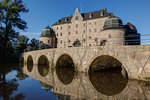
<point>113,32</point>
<point>48,37</point>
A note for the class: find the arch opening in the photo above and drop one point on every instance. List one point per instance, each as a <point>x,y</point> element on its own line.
<point>65,69</point>
<point>43,65</point>
<point>105,74</point>
<point>30,63</point>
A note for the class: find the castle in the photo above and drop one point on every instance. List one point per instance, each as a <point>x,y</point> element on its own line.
<point>98,28</point>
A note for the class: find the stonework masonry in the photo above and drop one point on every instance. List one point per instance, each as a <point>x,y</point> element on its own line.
<point>89,32</point>
<point>135,59</point>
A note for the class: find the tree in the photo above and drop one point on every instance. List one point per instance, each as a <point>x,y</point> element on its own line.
<point>22,43</point>
<point>34,43</point>
<point>10,20</point>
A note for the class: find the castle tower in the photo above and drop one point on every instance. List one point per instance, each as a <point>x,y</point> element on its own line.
<point>113,32</point>
<point>48,37</point>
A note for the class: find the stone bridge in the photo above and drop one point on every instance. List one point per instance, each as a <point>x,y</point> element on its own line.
<point>135,60</point>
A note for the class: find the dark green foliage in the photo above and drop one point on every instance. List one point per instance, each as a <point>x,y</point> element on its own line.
<point>34,43</point>
<point>10,20</point>
<point>22,43</point>
<point>9,86</point>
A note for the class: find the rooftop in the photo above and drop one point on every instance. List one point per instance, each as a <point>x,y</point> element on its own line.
<point>86,16</point>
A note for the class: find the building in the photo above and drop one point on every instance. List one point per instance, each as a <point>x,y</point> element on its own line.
<point>48,37</point>
<point>96,28</point>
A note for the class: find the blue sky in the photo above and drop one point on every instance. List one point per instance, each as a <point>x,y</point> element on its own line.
<point>46,12</point>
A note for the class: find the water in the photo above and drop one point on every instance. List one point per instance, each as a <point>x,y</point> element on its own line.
<point>41,83</point>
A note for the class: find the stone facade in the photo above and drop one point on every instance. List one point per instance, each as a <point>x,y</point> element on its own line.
<point>88,28</point>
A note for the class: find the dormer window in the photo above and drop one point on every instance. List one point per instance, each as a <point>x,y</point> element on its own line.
<point>66,20</point>
<point>102,13</point>
<point>58,21</point>
<point>91,15</point>
<point>76,18</point>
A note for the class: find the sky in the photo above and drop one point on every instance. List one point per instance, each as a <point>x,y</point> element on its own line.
<point>47,12</point>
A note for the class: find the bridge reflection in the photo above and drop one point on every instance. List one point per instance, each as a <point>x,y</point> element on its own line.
<point>65,69</point>
<point>110,85</point>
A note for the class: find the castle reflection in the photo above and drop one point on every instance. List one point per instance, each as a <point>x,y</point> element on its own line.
<point>110,85</point>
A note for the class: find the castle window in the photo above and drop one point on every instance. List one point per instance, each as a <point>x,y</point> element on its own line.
<point>61,41</point>
<point>89,30</point>
<point>66,20</point>
<point>95,23</point>
<point>89,23</point>
<point>69,26</point>
<point>69,33</point>
<point>68,41</point>
<point>89,44</point>
<point>90,37</point>
<point>96,39</point>
<point>57,28</point>
<point>76,18</point>
<point>60,34</point>
<point>84,40</point>
<point>61,28</point>
<point>83,31</point>
<point>102,14</point>
<point>95,30</point>
<point>48,41</point>
<point>91,15</point>
<point>76,32</point>
<point>76,25</point>
<point>109,36</point>
<point>84,24</point>
<point>57,34</point>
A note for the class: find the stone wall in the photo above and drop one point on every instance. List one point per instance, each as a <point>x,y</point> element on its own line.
<point>134,59</point>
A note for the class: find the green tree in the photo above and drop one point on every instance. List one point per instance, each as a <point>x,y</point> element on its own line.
<point>10,20</point>
<point>22,43</point>
<point>34,43</point>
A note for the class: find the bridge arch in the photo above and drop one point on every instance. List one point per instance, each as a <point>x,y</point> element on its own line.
<point>65,69</point>
<point>43,65</point>
<point>30,63</point>
<point>111,60</point>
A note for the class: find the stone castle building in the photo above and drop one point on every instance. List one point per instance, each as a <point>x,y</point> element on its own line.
<point>48,37</point>
<point>96,28</point>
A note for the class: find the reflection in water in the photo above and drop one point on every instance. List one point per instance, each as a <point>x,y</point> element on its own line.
<point>105,75</point>
<point>29,63</point>
<point>45,86</point>
<point>65,69</point>
<point>65,75</point>
<point>43,70</point>
<point>43,66</point>
<point>7,87</point>
<point>109,82</point>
